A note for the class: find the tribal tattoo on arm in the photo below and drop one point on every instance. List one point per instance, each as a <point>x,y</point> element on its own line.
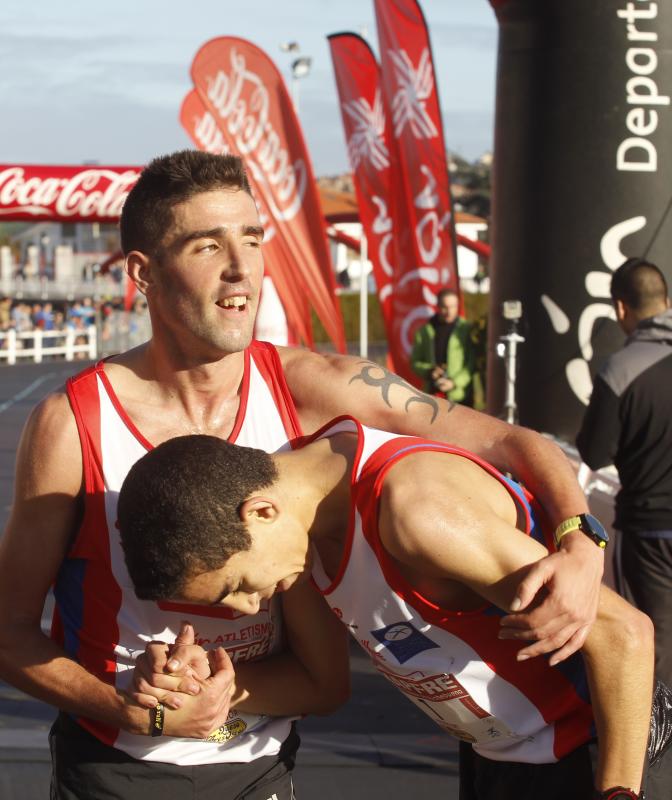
<point>388,379</point>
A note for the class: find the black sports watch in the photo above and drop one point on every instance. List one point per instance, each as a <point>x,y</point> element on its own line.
<point>586,523</point>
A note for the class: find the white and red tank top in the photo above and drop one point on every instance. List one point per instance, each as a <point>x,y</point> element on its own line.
<point>98,619</point>
<point>449,663</point>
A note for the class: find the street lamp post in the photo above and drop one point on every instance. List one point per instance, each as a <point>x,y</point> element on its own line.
<point>299,68</point>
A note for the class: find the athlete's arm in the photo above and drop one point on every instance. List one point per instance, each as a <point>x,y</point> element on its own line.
<point>457,536</point>
<point>311,677</point>
<point>43,521</point>
<point>324,387</point>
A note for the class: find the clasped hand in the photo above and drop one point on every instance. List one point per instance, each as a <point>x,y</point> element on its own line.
<point>194,684</point>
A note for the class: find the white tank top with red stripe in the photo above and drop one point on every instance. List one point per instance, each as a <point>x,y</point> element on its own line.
<point>99,620</point>
<point>449,663</point>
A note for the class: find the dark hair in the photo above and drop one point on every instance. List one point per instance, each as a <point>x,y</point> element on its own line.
<point>178,510</point>
<point>639,284</point>
<point>445,293</point>
<point>166,181</point>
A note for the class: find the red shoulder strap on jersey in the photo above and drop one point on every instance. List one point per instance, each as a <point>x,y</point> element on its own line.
<point>269,365</point>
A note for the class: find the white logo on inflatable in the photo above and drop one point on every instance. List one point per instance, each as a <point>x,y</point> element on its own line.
<point>597,285</point>
<point>255,138</point>
<point>415,88</point>
<point>367,141</point>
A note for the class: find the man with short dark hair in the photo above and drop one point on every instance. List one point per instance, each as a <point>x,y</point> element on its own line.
<point>629,423</point>
<point>192,240</point>
<point>415,546</point>
<point>443,353</point>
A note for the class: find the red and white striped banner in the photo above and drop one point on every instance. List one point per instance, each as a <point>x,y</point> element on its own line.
<point>279,265</point>
<point>422,192</point>
<point>245,93</point>
<point>43,193</point>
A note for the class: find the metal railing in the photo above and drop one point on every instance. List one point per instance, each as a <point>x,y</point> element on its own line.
<point>37,344</point>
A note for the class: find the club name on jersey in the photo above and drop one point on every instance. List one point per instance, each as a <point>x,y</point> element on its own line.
<point>438,688</point>
<point>255,631</point>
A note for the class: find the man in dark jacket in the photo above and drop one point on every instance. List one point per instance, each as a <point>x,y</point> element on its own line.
<point>629,423</point>
<point>443,353</point>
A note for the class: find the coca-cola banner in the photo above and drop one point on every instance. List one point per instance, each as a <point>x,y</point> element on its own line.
<point>246,95</point>
<point>368,142</point>
<point>289,281</point>
<point>583,170</point>
<point>41,193</point>
<point>426,243</point>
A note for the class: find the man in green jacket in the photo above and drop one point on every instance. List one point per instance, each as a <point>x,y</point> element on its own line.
<point>443,353</point>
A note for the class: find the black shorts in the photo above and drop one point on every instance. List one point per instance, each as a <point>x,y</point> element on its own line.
<point>83,768</point>
<point>485,779</point>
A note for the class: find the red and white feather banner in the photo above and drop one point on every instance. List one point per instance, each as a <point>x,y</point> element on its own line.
<point>365,122</point>
<point>421,184</point>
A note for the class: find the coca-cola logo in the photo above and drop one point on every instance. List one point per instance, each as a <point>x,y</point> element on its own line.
<point>242,102</point>
<point>95,193</point>
<point>208,135</point>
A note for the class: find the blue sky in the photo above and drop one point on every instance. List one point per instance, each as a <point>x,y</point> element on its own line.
<point>92,81</point>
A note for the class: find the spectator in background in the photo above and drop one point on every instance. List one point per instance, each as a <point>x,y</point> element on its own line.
<point>59,321</point>
<point>443,352</point>
<point>36,316</point>
<point>88,311</point>
<point>43,316</point>
<point>5,313</point>
<point>629,423</point>
<point>21,320</point>
<point>48,317</point>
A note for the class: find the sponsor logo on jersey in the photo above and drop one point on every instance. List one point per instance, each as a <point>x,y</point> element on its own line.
<point>403,641</point>
<point>438,688</point>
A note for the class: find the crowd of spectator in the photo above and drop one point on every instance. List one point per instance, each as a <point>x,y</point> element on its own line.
<point>115,326</point>
<point>23,316</point>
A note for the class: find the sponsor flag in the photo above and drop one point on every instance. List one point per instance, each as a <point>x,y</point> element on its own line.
<point>366,126</point>
<point>425,241</point>
<point>245,93</point>
<point>278,262</point>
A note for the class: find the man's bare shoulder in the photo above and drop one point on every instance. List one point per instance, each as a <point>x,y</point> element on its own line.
<point>49,456</point>
<point>130,373</point>
<point>297,361</point>
<point>52,415</point>
<point>418,492</point>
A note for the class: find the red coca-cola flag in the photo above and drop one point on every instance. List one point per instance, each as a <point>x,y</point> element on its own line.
<point>39,193</point>
<point>246,95</point>
<point>422,191</point>
<point>366,127</point>
<point>288,280</point>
